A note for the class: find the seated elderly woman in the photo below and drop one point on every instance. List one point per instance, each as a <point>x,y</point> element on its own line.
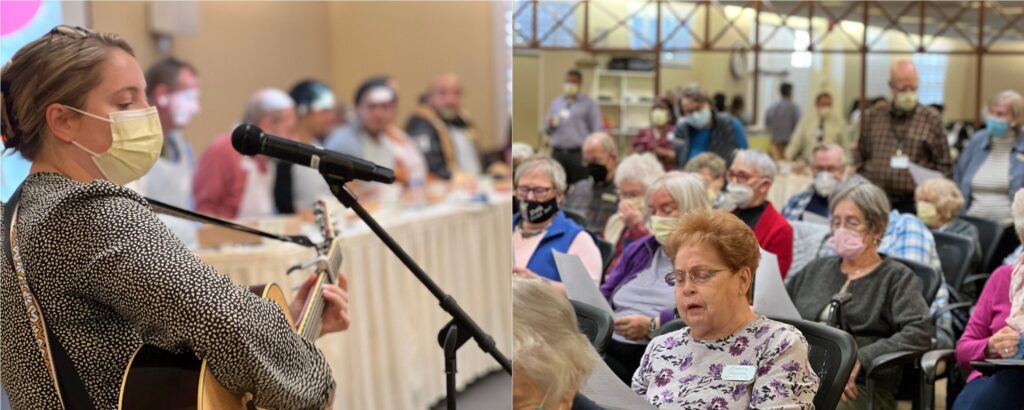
<point>632,177</point>
<point>994,332</point>
<point>636,288</point>
<point>552,359</point>
<point>728,357</point>
<point>878,300</point>
<point>540,228</point>
<point>938,203</point>
<point>712,167</point>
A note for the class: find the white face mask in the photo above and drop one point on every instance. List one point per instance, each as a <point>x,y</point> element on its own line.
<point>137,141</point>
<point>737,196</point>
<point>825,183</point>
<point>184,106</point>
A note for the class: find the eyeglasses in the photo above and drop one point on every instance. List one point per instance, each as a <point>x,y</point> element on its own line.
<point>848,223</point>
<point>524,191</point>
<point>699,276</point>
<point>739,177</point>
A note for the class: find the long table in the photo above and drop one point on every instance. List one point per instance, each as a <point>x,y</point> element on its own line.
<point>389,358</point>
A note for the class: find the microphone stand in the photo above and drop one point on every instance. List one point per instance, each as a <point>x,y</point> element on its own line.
<point>457,331</point>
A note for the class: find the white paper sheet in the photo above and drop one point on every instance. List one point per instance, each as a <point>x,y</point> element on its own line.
<point>579,286</point>
<point>609,392</point>
<point>770,296</point>
<point>921,174</point>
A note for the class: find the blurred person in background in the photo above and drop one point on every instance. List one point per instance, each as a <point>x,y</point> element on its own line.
<point>172,86</point>
<point>595,198</point>
<point>297,188</point>
<point>824,125</point>
<point>830,168</point>
<point>703,129</point>
<point>632,178</point>
<point>894,137</point>
<point>230,185</point>
<point>657,138</point>
<point>939,204</point>
<point>750,177</point>
<point>711,167</point>
<point>572,117</point>
<point>781,119</point>
<point>443,131</point>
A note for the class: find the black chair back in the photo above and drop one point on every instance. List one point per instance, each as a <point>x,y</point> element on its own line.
<point>596,324</point>
<point>607,253</point>
<point>832,353</point>
<point>575,217</point>
<point>671,326</point>
<point>930,279</point>
<point>989,234</point>
<point>955,252</point>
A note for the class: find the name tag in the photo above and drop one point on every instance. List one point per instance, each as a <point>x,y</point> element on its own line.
<point>1020,156</point>
<point>899,162</point>
<point>564,114</point>
<point>738,373</point>
<point>609,197</point>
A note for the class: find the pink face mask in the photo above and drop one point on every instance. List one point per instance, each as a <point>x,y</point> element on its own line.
<point>848,244</point>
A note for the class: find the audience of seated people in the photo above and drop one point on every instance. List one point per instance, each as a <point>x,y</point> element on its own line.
<point>636,287</point>
<point>938,206</point>
<point>632,179</point>
<point>728,356</point>
<point>869,295</point>
<point>830,167</point>
<point>541,228</point>
<point>594,198</point>
<point>750,177</point>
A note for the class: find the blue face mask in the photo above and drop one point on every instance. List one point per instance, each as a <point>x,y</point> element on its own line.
<point>996,126</point>
<point>700,119</point>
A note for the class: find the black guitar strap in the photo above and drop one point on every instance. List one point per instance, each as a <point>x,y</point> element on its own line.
<point>71,390</point>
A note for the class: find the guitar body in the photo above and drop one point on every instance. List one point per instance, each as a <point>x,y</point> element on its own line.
<point>159,379</point>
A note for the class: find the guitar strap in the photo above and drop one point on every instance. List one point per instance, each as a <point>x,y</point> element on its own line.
<point>71,393</point>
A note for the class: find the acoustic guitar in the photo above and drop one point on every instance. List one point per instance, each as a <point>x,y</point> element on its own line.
<point>161,379</point>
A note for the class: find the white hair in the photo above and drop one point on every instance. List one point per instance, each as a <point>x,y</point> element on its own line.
<point>1018,212</point>
<point>548,166</point>
<point>606,141</point>
<point>643,168</point>
<point>547,346</point>
<point>1016,103</point>
<point>759,160</point>
<point>266,101</point>
<point>686,189</point>
<point>832,147</point>
<point>521,151</point>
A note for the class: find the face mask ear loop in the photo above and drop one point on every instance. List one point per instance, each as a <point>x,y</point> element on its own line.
<point>87,113</point>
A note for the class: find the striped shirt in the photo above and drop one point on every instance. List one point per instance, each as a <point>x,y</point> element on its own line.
<point>990,184</point>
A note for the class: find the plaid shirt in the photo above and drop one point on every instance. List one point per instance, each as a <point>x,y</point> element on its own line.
<point>906,237</point>
<point>923,141</point>
<point>797,204</point>
<point>595,202</point>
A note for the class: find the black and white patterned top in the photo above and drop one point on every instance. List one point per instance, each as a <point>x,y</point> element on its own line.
<point>110,277</point>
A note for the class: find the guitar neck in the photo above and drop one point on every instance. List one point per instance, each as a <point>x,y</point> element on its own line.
<point>311,319</point>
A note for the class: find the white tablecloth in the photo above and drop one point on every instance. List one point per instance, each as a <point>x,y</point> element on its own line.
<point>389,358</point>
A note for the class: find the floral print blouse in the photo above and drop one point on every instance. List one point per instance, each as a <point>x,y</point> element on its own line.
<point>763,365</point>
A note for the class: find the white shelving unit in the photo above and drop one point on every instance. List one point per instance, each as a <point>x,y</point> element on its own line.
<point>625,98</point>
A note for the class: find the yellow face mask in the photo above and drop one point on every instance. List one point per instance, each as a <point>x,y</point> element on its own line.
<point>570,88</point>
<point>137,141</point>
<point>928,214</point>
<point>638,204</point>
<point>663,226</point>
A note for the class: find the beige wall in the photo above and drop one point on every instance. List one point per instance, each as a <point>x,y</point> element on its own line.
<point>242,47</point>
<point>413,42</point>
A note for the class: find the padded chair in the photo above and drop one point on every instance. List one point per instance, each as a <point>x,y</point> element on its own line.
<point>930,279</point>
<point>671,326</point>
<point>575,217</point>
<point>955,252</point>
<point>989,234</point>
<point>596,324</point>
<point>832,353</point>
<point>607,253</point>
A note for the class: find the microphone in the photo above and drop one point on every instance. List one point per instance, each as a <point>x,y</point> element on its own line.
<point>249,139</point>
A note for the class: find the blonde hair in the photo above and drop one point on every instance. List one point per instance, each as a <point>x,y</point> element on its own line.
<point>942,193</point>
<point>59,67</point>
<point>1016,103</point>
<point>547,346</point>
<point>709,161</point>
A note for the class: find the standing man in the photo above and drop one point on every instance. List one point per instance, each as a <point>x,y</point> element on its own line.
<point>898,136</point>
<point>595,197</point>
<point>443,131</point>
<point>781,119</point>
<point>571,118</point>
<point>172,86</point>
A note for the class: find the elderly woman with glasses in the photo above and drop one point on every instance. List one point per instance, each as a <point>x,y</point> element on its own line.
<point>541,228</point>
<point>728,356</point>
<point>871,296</point>
<point>636,288</point>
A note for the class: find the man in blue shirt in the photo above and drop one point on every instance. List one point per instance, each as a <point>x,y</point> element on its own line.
<point>571,118</point>
<point>703,129</point>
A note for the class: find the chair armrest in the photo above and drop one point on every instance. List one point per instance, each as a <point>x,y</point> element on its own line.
<point>890,360</point>
<point>953,307</point>
<point>934,363</point>
<point>975,277</point>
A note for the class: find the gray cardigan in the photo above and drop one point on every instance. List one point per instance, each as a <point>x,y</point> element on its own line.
<point>886,312</point>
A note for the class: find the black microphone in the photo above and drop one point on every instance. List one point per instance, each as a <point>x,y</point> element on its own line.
<point>249,139</point>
